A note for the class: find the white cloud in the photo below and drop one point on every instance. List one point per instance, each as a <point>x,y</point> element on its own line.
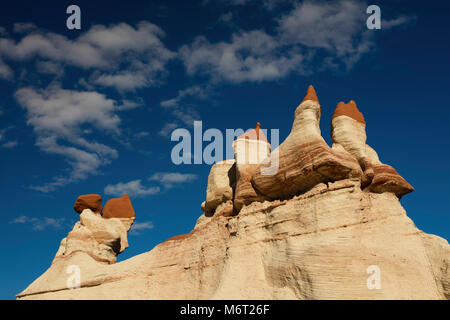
<point>137,189</point>
<point>24,27</point>
<point>167,129</point>
<point>133,188</point>
<point>313,36</point>
<point>49,67</point>
<point>58,116</point>
<point>10,144</point>
<point>334,26</point>
<point>123,81</point>
<point>5,71</point>
<point>128,57</point>
<point>250,56</point>
<point>4,130</point>
<point>401,20</point>
<point>61,112</point>
<point>129,104</point>
<point>142,134</point>
<point>194,91</point>
<point>39,224</point>
<point>181,109</point>
<point>140,226</point>
<point>170,179</point>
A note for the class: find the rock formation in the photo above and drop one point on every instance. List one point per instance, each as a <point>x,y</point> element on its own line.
<point>349,131</point>
<point>304,158</point>
<point>221,182</point>
<point>120,208</point>
<point>250,149</point>
<point>314,228</point>
<point>88,201</point>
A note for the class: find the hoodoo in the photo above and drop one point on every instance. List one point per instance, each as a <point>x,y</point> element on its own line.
<point>348,130</point>
<point>308,228</point>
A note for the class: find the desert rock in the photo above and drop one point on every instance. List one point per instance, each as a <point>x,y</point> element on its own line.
<point>250,149</point>
<point>119,208</point>
<point>349,130</point>
<point>317,245</point>
<point>221,181</point>
<point>315,228</point>
<point>304,159</point>
<point>88,201</point>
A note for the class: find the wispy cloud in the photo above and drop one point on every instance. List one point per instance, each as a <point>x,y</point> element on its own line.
<point>167,129</point>
<point>182,108</point>
<point>133,188</point>
<point>138,227</point>
<point>71,118</point>
<point>39,224</point>
<point>57,115</point>
<point>312,36</point>
<point>24,27</point>
<point>171,179</point>
<point>120,56</point>
<point>10,144</point>
<point>401,20</point>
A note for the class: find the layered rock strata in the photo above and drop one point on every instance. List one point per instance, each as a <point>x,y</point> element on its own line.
<point>349,131</point>
<point>304,158</point>
<point>250,149</point>
<point>318,245</point>
<point>317,227</point>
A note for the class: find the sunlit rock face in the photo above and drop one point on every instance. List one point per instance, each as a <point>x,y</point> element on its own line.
<point>221,182</point>
<point>304,158</point>
<point>349,131</point>
<point>318,245</point>
<point>326,224</point>
<point>250,150</point>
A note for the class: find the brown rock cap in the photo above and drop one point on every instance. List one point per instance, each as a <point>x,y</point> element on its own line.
<point>88,201</point>
<point>119,208</point>
<point>311,94</point>
<point>350,110</point>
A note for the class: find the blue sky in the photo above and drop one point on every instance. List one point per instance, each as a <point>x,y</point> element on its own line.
<point>91,110</point>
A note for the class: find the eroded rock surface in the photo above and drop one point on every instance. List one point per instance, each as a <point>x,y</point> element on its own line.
<point>349,131</point>
<point>310,229</point>
<point>304,158</point>
<point>314,246</point>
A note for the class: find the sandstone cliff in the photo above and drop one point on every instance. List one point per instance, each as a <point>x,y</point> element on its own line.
<point>312,229</point>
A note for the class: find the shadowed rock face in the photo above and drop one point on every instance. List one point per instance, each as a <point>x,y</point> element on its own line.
<point>89,201</point>
<point>221,182</point>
